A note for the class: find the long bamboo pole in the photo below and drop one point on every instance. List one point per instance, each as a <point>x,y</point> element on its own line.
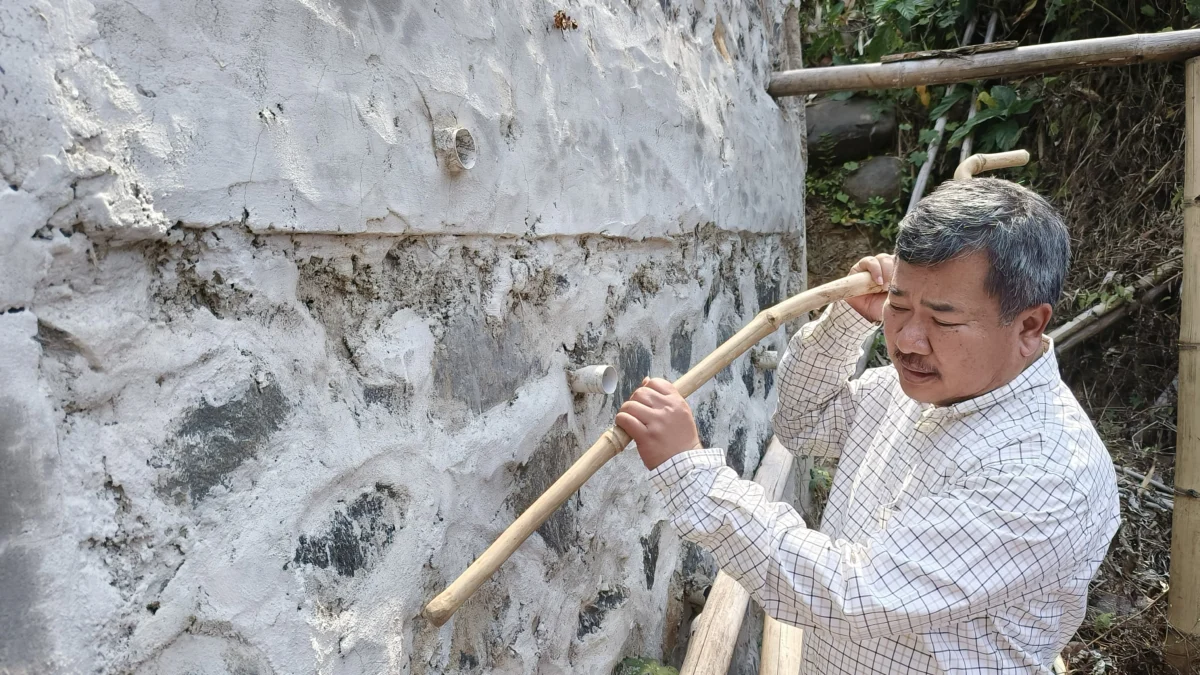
<point>613,441</point>
<point>1183,608</point>
<point>711,648</point>
<point>1035,59</point>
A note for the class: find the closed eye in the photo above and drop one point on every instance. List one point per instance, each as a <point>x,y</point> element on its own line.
<point>943,324</point>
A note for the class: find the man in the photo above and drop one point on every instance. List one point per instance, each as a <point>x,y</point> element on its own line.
<point>973,500</point>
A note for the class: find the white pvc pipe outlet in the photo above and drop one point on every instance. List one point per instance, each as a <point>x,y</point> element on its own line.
<point>456,148</point>
<point>593,380</point>
<point>767,359</point>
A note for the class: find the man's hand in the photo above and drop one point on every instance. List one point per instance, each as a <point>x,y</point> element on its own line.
<point>660,422</point>
<point>881,267</point>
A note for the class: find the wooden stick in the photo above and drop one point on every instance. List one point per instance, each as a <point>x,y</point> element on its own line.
<point>782,648</point>
<point>1157,485</point>
<point>1183,603</point>
<point>613,441</point>
<point>1035,59</point>
<point>972,111</point>
<point>715,634</point>
<point>990,162</point>
<point>1084,319</point>
<point>939,129</point>
<point>1107,320</point>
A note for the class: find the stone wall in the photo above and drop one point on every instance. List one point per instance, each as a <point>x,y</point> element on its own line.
<point>271,377</point>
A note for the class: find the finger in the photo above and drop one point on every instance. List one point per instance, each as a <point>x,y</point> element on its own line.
<point>876,270</point>
<point>860,266</point>
<point>887,262</point>
<point>649,397</point>
<point>869,264</point>
<point>662,386</point>
<point>643,413</point>
<point>631,425</point>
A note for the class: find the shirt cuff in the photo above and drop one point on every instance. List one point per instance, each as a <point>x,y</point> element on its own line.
<point>847,319</point>
<point>668,475</point>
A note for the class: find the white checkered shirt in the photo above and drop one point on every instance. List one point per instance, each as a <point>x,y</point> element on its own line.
<point>956,539</point>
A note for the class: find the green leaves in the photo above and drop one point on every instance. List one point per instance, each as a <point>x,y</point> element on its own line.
<point>998,130</point>
<point>948,102</point>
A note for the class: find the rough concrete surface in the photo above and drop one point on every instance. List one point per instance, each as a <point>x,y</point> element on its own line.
<point>270,378</point>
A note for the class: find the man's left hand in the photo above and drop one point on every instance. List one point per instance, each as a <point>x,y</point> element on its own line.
<point>660,422</point>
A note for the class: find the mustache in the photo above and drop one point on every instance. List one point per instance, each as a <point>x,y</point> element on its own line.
<point>914,362</point>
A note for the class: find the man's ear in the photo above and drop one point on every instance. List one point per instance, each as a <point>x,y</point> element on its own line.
<point>1031,323</point>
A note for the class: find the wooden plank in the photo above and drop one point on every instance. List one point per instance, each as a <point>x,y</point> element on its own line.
<point>715,632</point>
<point>1031,60</point>
<point>782,648</point>
<point>1183,602</point>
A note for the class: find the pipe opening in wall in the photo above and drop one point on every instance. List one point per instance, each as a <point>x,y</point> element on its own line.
<point>457,149</point>
<point>593,380</point>
<point>464,147</point>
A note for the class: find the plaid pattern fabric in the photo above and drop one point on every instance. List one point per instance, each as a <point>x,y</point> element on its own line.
<point>956,539</point>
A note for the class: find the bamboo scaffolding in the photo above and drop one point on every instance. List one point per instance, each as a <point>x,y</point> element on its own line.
<point>1183,603</point>
<point>939,129</point>
<point>1032,60</point>
<point>715,634</point>
<point>614,440</point>
<point>1144,283</point>
<point>969,140</point>
<point>1098,324</point>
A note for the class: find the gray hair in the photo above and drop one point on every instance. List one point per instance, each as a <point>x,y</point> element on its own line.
<point>1025,239</point>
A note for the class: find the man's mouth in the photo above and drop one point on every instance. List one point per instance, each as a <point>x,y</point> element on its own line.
<point>915,372</point>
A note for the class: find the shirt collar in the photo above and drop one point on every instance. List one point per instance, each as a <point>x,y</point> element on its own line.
<point>1040,373</point>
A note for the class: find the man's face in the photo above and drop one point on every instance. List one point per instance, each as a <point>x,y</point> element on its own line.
<point>945,336</point>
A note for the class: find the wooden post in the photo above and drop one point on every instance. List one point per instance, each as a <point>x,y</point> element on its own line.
<point>1032,60</point>
<point>715,633</point>
<point>782,648</point>
<point>1183,609</point>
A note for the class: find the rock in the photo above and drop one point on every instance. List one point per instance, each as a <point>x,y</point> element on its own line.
<point>840,131</point>
<point>876,177</point>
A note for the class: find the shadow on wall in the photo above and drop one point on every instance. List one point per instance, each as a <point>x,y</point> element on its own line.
<point>23,647</point>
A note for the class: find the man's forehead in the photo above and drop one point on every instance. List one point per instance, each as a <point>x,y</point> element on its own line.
<point>953,286</point>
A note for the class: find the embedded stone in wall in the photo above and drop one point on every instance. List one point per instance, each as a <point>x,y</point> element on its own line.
<point>634,364</point>
<point>555,453</point>
<point>355,536</point>
<point>214,440</point>
<point>478,368</point>
<point>650,553</point>
<point>591,617</point>
<point>735,454</point>
<point>681,349</point>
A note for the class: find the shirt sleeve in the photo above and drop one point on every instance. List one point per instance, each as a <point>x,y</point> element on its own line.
<point>817,399</point>
<point>993,537</point>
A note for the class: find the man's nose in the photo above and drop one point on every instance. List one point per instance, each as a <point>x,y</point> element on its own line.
<point>911,339</point>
